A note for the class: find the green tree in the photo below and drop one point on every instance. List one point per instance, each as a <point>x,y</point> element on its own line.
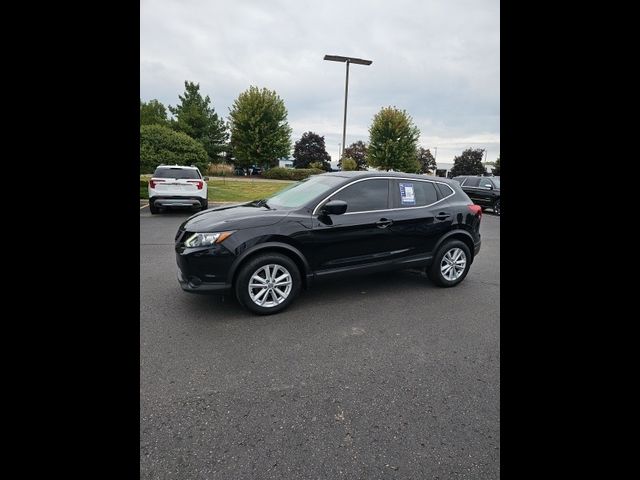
<point>469,163</point>
<point>153,113</point>
<point>160,144</point>
<point>393,140</point>
<point>349,164</point>
<point>496,168</point>
<point>195,117</point>
<point>426,161</point>
<point>311,149</point>
<point>358,152</point>
<point>260,133</point>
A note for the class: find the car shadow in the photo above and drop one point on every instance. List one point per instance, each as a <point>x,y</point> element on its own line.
<point>222,308</point>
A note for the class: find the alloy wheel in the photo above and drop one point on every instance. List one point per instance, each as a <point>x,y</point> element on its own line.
<point>270,285</point>
<point>453,264</point>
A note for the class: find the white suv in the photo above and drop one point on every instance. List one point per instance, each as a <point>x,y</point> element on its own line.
<point>177,186</point>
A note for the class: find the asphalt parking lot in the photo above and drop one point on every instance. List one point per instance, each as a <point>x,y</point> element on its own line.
<point>381,376</point>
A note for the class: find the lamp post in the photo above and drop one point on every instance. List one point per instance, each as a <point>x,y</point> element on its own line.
<point>347,60</point>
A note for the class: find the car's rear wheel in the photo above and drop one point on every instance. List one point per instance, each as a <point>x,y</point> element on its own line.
<point>451,264</point>
<point>496,207</point>
<point>268,283</point>
<point>204,204</point>
<point>153,209</point>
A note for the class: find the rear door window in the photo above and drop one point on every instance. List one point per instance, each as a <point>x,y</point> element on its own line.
<point>176,173</point>
<point>413,193</point>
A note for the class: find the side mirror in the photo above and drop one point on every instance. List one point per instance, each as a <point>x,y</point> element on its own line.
<point>334,207</point>
<point>206,179</point>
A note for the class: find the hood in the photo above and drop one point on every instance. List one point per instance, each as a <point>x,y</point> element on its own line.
<point>234,217</point>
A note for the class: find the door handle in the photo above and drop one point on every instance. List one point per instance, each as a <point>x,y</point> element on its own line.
<point>383,223</point>
<point>442,216</point>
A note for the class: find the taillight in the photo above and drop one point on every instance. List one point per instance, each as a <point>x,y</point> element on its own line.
<point>198,183</point>
<point>152,183</point>
<point>475,209</point>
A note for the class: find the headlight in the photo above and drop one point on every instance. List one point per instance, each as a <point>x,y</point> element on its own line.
<point>206,239</point>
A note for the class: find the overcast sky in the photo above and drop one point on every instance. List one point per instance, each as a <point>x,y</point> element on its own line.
<point>438,60</point>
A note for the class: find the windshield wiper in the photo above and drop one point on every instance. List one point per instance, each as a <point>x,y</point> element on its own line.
<point>261,203</point>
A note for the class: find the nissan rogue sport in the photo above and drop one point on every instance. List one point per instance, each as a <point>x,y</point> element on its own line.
<point>329,225</point>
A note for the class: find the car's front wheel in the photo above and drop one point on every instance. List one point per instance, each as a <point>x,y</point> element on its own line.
<point>496,207</point>
<point>268,283</point>
<point>451,264</point>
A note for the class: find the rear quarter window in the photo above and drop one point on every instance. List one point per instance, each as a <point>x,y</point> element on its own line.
<point>445,190</point>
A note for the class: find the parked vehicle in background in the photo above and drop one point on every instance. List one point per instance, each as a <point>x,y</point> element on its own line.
<point>484,191</point>
<point>177,186</point>
<point>253,170</point>
<point>329,225</point>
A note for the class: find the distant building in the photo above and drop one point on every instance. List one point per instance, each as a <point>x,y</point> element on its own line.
<point>443,169</point>
<point>285,163</point>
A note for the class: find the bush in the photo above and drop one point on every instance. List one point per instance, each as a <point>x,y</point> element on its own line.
<point>160,144</point>
<point>219,170</point>
<point>349,164</point>
<point>279,173</point>
<point>317,166</point>
<point>144,188</point>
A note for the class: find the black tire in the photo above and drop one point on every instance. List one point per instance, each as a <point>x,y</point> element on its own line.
<point>204,204</point>
<point>153,209</point>
<point>496,207</point>
<point>434,272</point>
<point>252,267</point>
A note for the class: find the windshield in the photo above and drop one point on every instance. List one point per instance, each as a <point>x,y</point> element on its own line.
<point>303,192</point>
<point>496,181</point>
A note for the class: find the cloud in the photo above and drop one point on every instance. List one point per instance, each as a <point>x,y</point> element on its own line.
<point>438,60</point>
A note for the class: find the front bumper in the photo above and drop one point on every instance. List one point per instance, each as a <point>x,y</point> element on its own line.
<point>201,287</point>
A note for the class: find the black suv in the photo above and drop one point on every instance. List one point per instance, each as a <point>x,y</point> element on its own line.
<point>330,224</point>
<point>485,191</point>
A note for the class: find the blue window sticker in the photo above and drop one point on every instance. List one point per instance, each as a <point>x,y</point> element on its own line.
<point>407,195</point>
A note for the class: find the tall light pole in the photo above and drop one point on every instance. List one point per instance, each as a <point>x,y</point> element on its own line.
<point>435,156</point>
<point>347,60</point>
